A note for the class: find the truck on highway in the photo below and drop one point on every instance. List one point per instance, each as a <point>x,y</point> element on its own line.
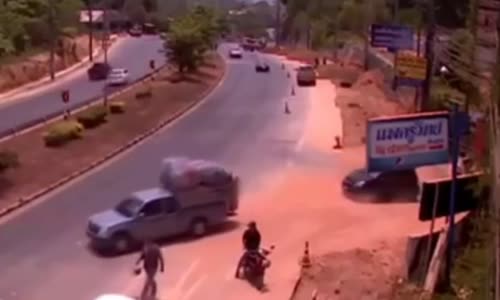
<point>192,197</point>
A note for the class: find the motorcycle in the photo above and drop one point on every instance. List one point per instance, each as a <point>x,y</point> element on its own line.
<point>254,265</point>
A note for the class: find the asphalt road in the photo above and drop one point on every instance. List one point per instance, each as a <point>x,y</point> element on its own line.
<point>242,125</point>
<point>131,53</point>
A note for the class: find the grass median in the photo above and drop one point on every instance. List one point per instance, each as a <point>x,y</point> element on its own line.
<point>129,115</point>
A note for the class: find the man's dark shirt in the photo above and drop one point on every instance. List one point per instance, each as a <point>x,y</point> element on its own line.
<point>251,239</point>
<point>152,258</point>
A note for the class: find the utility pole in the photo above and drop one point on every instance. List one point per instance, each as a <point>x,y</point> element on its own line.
<point>91,29</point>
<point>494,136</point>
<point>429,54</point>
<point>105,35</point>
<point>53,37</point>
<point>278,23</point>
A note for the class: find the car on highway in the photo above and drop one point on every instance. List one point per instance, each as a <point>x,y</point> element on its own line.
<point>118,76</point>
<point>193,197</point>
<point>149,29</point>
<point>113,297</point>
<point>386,186</point>
<point>99,71</point>
<point>306,76</point>
<point>236,53</point>
<point>135,31</point>
<point>262,66</point>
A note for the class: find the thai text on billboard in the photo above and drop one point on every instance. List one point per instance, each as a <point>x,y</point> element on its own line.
<point>407,141</point>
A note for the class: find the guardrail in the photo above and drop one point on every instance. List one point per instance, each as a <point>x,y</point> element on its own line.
<point>76,107</point>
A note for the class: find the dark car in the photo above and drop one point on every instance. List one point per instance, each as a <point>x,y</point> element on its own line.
<point>99,71</point>
<point>135,31</point>
<point>262,67</point>
<point>150,29</point>
<point>306,76</point>
<point>383,186</point>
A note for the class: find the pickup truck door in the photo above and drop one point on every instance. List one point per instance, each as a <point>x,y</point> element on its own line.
<point>154,221</point>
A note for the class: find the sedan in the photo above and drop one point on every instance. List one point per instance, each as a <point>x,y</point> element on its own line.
<point>118,77</point>
<point>99,71</point>
<point>382,186</point>
<point>262,67</point>
<point>235,53</point>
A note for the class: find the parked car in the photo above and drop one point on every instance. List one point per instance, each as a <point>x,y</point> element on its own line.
<point>236,53</point>
<point>382,185</point>
<point>306,76</point>
<point>262,66</point>
<point>99,71</point>
<point>118,76</point>
<point>193,196</point>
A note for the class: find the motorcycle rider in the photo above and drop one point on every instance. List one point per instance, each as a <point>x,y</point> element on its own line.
<point>152,259</point>
<point>251,243</point>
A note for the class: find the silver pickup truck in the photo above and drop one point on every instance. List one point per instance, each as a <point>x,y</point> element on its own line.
<point>193,195</point>
<point>155,214</point>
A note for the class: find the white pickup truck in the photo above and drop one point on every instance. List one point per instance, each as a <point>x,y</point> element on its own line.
<point>193,196</point>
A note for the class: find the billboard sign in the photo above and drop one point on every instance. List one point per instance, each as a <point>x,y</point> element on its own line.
<point>407,141</point>
<point>396,37</point>
<point>411,69</point>
<point>468,188</point>
<point>486,34</point>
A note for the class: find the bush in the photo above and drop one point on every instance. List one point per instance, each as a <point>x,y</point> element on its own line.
<point>62,132</point>
<point>8,160</point>
<point>93,117</point>
<point>117,107</point>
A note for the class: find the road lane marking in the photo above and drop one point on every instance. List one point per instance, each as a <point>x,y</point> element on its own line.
<point>190,292</point>
<point>186,274</point>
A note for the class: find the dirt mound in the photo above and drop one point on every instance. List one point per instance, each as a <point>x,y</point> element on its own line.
<point>70,51</point>
<point>369,97</point>
<point>354,275</point>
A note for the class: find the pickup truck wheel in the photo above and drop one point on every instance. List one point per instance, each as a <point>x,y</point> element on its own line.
<point>199,227</point>
<point>122,242</point>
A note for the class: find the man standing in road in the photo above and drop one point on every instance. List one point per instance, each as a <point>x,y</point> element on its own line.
<point>152,259</point>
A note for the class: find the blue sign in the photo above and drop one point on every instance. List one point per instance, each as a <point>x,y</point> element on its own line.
<point>394,37</point>
<point>407,141</point>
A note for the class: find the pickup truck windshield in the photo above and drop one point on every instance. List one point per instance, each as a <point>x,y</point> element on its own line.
<point>129,207</point>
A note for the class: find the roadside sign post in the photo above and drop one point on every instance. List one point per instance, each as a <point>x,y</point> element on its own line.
<point>457,130</point>
<point>65,100</point>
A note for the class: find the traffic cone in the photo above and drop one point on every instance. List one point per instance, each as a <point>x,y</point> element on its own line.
<point>337,143</point>
<point>306,260</point>
<point>287,109</point>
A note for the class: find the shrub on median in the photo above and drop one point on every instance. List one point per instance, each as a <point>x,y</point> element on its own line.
<point>62,133</point>
<point>117,107</point>
<point>8,160</point>
<point>93,117</point>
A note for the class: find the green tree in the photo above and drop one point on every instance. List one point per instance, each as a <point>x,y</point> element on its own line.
<point>135,10</point>
<point>185,44</point>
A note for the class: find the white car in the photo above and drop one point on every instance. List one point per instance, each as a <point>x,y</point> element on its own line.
<point>118,77</point>
<point>236,53</point>
<point>113,297</point>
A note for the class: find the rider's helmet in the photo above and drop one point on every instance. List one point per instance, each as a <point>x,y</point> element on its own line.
<point>252,225</point>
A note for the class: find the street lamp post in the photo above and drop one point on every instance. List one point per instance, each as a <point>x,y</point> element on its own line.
<point>52,40</point>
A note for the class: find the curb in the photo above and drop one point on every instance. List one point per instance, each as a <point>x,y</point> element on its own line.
<point>33,124</point>
<point>120,149</point>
